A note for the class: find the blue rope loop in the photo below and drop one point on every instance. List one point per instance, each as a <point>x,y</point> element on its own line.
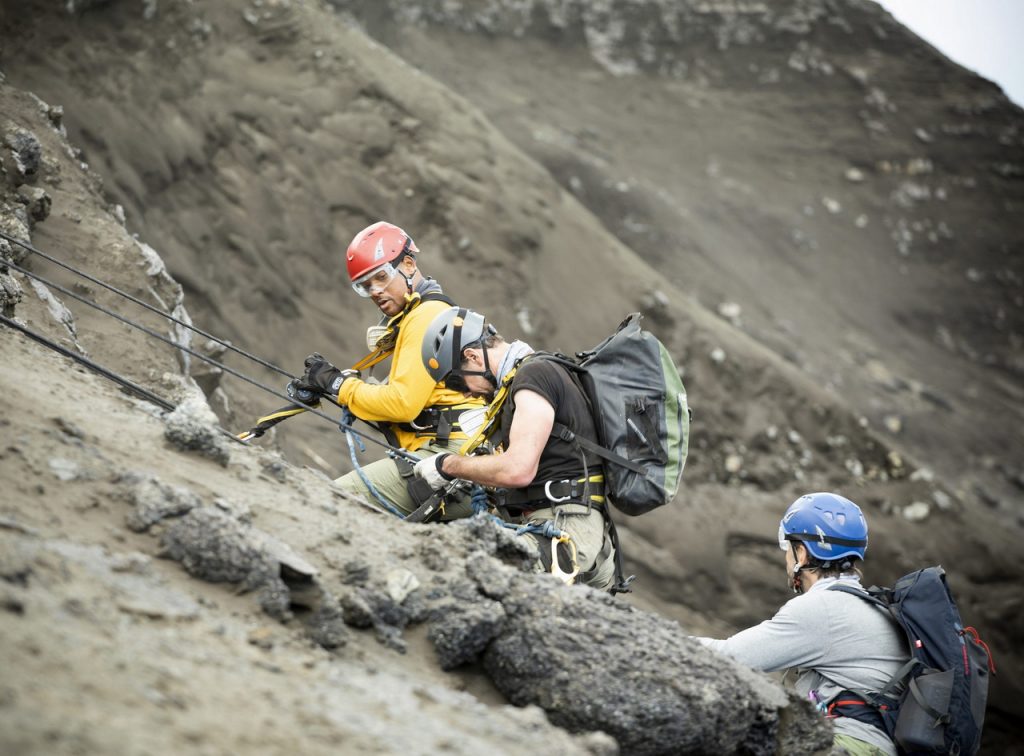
<point>480,502</point>
<point>347,419</point>
<point>546,529</point>
<point>478,498</point>
<point>346,426</point>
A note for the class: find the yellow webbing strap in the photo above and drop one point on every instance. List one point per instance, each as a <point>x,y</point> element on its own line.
<point>385,347</point>
<point>281,414</point>
<point>493,410</point>
<point>269,421</point>
<point>386,343</point>
<point>598,478</point>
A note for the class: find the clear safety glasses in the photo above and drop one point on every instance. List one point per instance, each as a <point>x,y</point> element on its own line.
<point>783,541</point>
<point>374,281</point>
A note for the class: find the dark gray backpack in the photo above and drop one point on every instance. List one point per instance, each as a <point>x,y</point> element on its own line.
<point>639,406</point>
<point>936,703</point>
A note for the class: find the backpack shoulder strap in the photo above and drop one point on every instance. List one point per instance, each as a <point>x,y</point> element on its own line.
<point>873,596</point>
<point>438,296</point>
<point>563,432</point>
<point>870,595</point>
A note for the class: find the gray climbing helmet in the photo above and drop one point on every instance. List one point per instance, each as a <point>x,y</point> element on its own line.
<point>451,332</point>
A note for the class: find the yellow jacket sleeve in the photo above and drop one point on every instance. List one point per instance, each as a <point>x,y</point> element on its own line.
<point>409,388</point>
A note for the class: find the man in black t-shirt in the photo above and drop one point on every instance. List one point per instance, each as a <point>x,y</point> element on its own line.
<point>545,479</point>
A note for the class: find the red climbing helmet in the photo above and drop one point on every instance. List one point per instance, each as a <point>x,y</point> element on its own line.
<point>375,246</point>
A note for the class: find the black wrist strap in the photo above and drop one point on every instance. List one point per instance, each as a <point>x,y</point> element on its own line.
<point>439,461</point>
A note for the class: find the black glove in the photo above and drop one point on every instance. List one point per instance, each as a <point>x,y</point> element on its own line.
<point>301,395</point>
<point>322,377</point>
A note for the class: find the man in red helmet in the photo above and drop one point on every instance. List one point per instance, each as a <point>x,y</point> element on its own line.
<point>414,411</point>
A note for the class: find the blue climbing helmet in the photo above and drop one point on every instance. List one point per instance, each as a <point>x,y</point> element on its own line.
<point>831,527</point>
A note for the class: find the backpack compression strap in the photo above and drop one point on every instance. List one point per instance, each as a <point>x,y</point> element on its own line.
<point>558,430</point>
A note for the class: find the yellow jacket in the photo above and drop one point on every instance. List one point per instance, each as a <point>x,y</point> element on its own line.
<point>409,389</point>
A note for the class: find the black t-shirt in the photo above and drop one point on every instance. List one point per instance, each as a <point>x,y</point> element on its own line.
<point>560,460</point>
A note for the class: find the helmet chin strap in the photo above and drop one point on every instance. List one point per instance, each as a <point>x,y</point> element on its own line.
<point>398,268</point>
<point>488,374</point>
<point>795,582</point>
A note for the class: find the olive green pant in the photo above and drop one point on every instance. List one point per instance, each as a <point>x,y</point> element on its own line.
<point>595,555</point>
<point>392,486</point>
<point>845,745</point>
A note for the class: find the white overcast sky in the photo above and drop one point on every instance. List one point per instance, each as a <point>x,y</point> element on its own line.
<point>986,36</point>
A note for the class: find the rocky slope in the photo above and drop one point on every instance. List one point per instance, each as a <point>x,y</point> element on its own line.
<point>163,589</point>
<point>274,131</point>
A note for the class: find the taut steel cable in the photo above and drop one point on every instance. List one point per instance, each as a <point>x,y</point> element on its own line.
<point>141,303</point>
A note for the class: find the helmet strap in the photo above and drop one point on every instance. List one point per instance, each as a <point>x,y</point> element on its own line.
<point>796,582</point>
<point>397,264</point>
<point>488,374</point>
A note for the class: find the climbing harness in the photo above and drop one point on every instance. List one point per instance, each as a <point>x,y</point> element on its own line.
<point>558,492</point>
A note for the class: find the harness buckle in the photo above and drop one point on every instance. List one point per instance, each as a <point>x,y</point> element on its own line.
<point>429,424</point>
<point>551,497</point>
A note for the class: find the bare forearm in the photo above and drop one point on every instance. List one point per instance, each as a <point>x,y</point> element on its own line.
<point>500,470</point>
<point>517,466</point>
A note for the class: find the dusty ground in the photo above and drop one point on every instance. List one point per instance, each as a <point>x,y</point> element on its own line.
<point>110,649</point>
<point>879,357</point>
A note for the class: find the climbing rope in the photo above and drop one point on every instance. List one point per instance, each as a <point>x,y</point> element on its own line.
<point>292,408</point>
<point>346,427</point>
<point>126,383</point>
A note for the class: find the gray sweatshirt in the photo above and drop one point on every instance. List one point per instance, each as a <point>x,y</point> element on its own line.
<point>853,644</point>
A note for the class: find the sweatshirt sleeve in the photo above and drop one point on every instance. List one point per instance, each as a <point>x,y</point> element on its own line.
<point>797,636</point>
<point>409,384</point>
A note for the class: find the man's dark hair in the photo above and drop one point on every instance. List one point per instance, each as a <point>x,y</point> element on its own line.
<point>490,340</point>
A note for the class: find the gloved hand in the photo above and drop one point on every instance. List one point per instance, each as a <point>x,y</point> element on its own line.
<point>322,377</point>
<point>429,468</point>
<point>301,395</point>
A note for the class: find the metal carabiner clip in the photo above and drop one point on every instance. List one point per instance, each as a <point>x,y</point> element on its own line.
<point>556,569</point>
<point>551,497</point>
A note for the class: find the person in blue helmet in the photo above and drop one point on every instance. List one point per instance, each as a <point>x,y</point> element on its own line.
<point>837,643</point>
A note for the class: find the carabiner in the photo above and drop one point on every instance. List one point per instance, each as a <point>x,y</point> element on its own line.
<point>566,577</point>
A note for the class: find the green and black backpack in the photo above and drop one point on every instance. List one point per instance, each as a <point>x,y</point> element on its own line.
<point>639,406</point>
